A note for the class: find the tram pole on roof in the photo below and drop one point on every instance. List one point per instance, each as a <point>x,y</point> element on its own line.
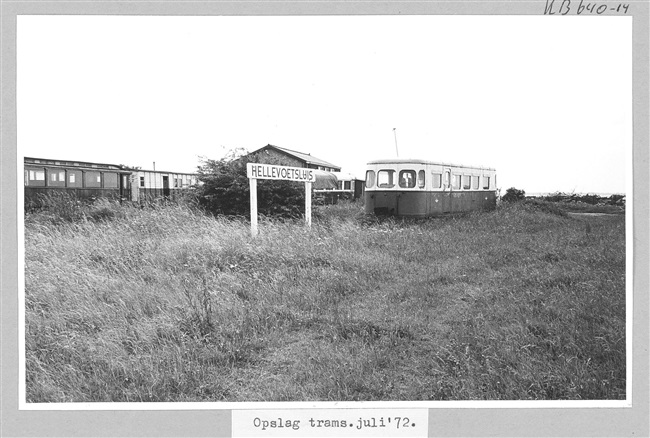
<point>396,150</point>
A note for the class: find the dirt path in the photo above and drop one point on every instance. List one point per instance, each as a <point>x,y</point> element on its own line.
<point>592,214</point>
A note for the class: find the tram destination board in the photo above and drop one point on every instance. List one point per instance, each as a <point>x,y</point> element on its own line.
<point>271,171</point>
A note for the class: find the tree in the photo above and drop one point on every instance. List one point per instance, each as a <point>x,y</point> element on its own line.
<point>225,188</point>
<point>514,195</point>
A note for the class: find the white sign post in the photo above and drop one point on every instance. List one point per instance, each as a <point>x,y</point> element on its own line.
<point>256,171</point>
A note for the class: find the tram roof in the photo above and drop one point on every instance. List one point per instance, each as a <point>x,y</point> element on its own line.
<point>420,161</point>
<point>50,162</point>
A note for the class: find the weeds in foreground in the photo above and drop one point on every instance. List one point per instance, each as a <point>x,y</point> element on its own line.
<point>168,304</point>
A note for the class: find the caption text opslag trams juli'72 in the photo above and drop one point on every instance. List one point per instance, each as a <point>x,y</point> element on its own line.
<point>360,423</point>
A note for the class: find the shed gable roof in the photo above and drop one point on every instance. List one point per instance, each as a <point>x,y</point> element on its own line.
<point>306,158</point>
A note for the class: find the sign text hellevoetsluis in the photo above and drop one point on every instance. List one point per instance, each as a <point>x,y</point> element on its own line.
<point>256,171</point>
<point>271,171</point>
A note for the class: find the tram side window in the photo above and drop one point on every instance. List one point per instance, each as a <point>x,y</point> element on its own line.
<point>475,182</point>
<point>57,177</point>
<point>370,178</point>
<point>486,182</point>
<point>110,180</point>
<point>74,178</point>
<point>436,180</point>
<point>421,179</point>
<point>35,177</point>
<point>346,185</point>
<point>386,179</point>
<point>455,182</point>
<point>93,179</point>
<point>407,179</point>
<point>142,181</point>
<point>466,182</point>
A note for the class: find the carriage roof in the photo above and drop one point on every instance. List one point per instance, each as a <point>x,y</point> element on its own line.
<point>420,161</point>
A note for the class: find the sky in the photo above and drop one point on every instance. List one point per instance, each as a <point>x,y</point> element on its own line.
<point>547,101</point>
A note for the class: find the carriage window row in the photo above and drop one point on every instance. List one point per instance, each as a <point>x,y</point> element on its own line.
<point>408,179</point>
<point>57,178</point>
<point>183,181</point>
<point>343,185</point>
<point>37,175</point>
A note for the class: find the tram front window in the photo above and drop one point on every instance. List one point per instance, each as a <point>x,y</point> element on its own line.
<point>407,179</point>
<point>370,178</point>
<point>386,179</point>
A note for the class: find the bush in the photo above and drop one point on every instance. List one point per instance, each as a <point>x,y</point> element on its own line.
<point>225,189</point>
<point>514,195</point>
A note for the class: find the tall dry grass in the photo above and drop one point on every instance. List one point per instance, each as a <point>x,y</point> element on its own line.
<point>169,304</point>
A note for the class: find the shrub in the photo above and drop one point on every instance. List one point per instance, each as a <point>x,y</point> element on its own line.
<point>513,195</point>
<point>225,188</point>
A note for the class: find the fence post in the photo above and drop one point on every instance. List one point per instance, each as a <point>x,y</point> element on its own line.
<point>253,196</point>
<point>308,203</point>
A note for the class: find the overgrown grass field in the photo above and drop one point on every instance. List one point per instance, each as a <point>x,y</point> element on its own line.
<point>169,304</point>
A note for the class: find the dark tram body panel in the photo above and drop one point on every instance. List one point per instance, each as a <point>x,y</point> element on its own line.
<point>85,180</point>
<point>81,179</point>
<point>418,188</point>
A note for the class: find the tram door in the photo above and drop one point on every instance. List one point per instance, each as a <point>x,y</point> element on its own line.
<point>125,189</point>
<point>447,191</point>
<point>166,185</point>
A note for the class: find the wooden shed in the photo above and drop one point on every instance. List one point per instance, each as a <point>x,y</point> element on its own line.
<point>288,157</point>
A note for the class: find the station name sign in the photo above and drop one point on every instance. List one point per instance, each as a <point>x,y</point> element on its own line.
<point>271,171</point>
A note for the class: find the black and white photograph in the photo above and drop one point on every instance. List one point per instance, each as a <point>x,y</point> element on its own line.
<point>282,211</point>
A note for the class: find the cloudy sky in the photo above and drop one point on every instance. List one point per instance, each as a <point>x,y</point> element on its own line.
<point>547,101</point>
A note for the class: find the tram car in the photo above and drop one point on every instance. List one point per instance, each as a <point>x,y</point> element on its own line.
<point>149,185</point>
<point>347,187</point>
<point>99,180</point>
<point>419,188</point>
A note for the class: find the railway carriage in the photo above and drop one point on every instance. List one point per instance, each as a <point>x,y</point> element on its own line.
<point>154,184</point>
<point>87,180</point>
<point>83,179</point>
<point>347,187</point>
<point>419,188</point>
